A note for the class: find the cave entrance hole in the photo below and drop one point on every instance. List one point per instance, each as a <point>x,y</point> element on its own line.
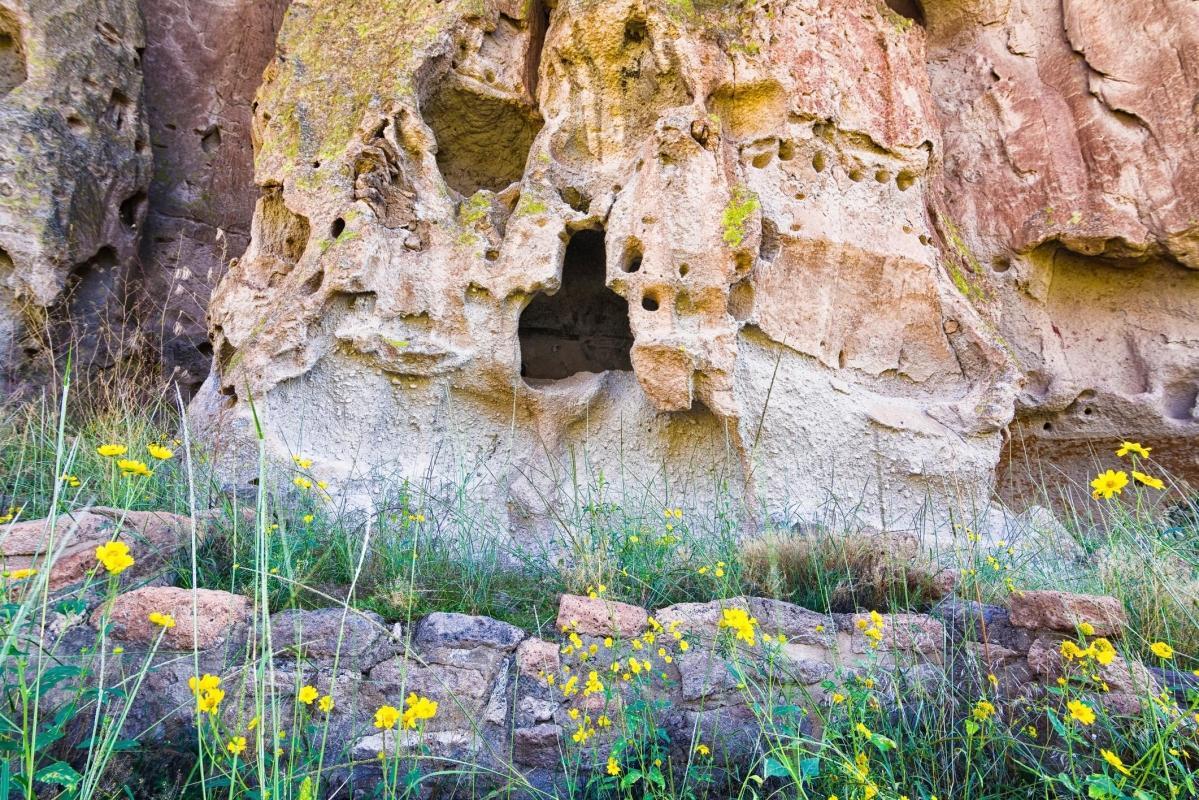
<point>584,326</point>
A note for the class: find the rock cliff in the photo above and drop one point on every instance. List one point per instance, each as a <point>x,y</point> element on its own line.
<point>900,251</point>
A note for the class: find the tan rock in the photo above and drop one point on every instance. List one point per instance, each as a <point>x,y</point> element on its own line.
<point>913,634</point>
<point>600,617</point>
<point>152,537</point>
<point>475,233</point>
<point>217,616</point>
<point>535,657</point>
<point>1063,612</point>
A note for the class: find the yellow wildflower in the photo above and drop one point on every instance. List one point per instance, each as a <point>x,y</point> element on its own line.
<point>1107,484</point>
<point>1133,447</point>
<point>983,710</point>
<point>1071,651</point>
<point>1148,480</point>
<point>70,480</point>
<point>702,750</point>
<point>210,701</point>
<point>160,452</point>
<point>1081,712</point>
<point>1103,651</point>
<point>111,450</point>
<point>302,482</point>
<point>740,622</point>
<point>1086,629</point>
<point>1162,650</point>
<point>237,745</point>
<point>418,708</point>
<point>134,468</point>
<point>114,556</point>
<point>1115,761</point>
<point>162,620</point>
<point>613,766</point>
<point>20,574</point>
<point>387,717</point>
<point>308,695</point>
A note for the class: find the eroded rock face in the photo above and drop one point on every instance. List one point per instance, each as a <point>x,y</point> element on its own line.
<point>1069,208</point>
<point>618,228</point>
<point>74,168</point>
<point>203,63</point>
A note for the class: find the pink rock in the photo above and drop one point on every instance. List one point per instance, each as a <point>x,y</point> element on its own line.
<point>152,537</point>
<point>1062,611</point>
<point>600,617</point>
<point>217,615</point>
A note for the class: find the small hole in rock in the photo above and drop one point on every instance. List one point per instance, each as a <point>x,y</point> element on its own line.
<point>337,228</point>
<point>904,181</point>
<point>855,175</point>
<point>762,160</point>
<point>649,303</point>
<point>632,257</point>
<point>786,150</point>
<point>492,254</point>
<point>882,176</point>
<point>210,139</point>
<point>819,162</point>
<point>683,270</point>
<point>635,32</point>
<point>1048,426</point>
<point>132,208</point>
<point>1001,263</point>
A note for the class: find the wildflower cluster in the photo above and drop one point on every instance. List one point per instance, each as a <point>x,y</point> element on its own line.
<point>743,626</point>
<point>1110,483</point>
<point>871,627</point>
<point>114,556</point>
<point>417,709</point>
<point>208,693</point>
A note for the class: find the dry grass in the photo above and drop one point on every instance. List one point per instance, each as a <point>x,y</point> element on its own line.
<point>845,572</point>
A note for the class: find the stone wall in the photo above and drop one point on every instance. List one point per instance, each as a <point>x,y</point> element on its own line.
<point>518,710</point>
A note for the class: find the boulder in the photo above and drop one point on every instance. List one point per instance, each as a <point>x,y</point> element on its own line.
<point>356,640</point>
<point>597,616</point>
<point>204,618</point>
<point>153,537</point>
<point>1064,612</point>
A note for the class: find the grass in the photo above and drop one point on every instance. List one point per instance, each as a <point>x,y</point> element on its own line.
<point>416,552</point>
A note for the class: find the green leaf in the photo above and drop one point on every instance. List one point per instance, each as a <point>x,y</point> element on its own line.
<point>773,768</point>
<point>631,777</point>
<point>971,727</point>
<point>59,773</point>
<point>809,767</point>
<point>56,675</point>
<point>883,743</point>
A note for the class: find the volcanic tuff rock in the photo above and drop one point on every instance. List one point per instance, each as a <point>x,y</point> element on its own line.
<point>74,167</point>
<point>611,228</point>
<point>203,63</point>
<point>774,244</point>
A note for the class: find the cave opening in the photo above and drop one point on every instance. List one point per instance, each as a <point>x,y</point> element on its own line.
<point>584,326</point>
